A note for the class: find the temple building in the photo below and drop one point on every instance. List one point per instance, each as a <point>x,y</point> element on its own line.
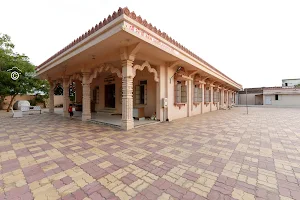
<point>130,68</point>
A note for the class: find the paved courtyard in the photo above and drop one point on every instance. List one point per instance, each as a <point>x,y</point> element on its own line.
<point>219,155</point>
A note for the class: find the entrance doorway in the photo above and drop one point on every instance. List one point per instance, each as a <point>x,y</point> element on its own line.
<point>110,96</point>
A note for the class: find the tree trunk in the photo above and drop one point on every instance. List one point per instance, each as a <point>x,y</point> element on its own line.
<point>12,99</point>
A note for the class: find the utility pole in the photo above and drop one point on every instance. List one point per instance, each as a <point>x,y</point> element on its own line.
<point>247,100</point>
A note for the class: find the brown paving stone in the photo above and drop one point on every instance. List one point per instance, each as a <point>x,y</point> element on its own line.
<point>257,146</point>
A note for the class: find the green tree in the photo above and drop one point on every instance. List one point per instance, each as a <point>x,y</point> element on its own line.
<point>12,62</point>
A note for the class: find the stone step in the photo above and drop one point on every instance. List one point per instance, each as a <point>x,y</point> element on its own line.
<point>104,123</point>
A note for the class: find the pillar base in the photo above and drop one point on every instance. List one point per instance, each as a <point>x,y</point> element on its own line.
<point>127,124</point>
<point>86,117</point>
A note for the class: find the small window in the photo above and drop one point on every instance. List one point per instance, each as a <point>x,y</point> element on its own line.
<point>207,97</point>
<point>276,97</point>
<point>197,94</point>
<point>180,92</point>
<point>286,84</point>
<point>216,96</point>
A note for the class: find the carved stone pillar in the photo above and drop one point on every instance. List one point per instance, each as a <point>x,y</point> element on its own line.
<point>218,102</point>
<point>161,93</point>
<point>231,97</point>
<point>86,95</point>
<point>225,99</point>
<point>222,98</point>
<point>51,97</point>
<point>189,98</point>
<point>211,98</point>
<point>228,98</point>
<point>127,97</point>
<point>202,100</point>
<point>66,98</point>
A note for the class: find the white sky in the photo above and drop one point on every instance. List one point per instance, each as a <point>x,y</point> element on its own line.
<point>254,42</point>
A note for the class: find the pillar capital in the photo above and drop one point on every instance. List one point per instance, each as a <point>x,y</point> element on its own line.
<point>85,71</point>
<point>129,52</point>
<point>127,69</point>
<point>127,62</point>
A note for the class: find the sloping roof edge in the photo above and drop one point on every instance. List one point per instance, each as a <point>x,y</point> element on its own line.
<point>139,19</point>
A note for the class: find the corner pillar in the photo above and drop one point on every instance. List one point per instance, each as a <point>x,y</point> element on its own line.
<point>127,95</point>
<point>86,96</point>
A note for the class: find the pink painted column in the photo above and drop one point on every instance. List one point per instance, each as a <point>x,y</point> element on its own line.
<point>202,100</point>
<point>189,98</point>
<point>51,97</point>
<point>211,97</point>
<point>86,96</point>
<point>222,98</point>
<point>160,94</point>
<point>228,98</point>
<point>127,97</point>
<point>218,103</point>
<point>66,99</point>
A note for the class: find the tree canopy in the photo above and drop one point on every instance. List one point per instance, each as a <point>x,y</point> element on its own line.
<point>12,63</point>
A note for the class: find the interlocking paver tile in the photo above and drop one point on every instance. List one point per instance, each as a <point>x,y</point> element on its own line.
<point>219,155</point>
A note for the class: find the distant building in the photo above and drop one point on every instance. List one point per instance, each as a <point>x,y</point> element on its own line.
<point>270,96</point>
<point>290,82</point>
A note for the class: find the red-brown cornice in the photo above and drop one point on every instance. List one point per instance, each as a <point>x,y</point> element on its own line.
<point>103,23</point>
<point>143,22</point>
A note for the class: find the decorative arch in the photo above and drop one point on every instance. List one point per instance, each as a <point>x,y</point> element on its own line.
<point>75,77</point>
<point>150,69</point>
<point>105,67</point>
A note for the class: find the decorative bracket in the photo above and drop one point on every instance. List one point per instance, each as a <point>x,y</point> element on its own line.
<point>128,53</point>
<point>174,64</point>
<point>192,72</point>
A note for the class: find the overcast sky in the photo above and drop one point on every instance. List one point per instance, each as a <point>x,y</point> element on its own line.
<point>254,42</point>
